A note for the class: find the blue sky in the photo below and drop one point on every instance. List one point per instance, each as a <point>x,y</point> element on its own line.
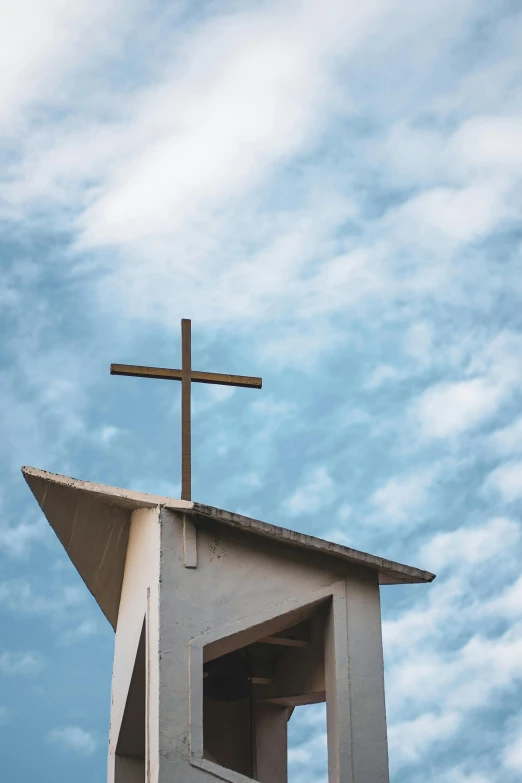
<point>332,192</point>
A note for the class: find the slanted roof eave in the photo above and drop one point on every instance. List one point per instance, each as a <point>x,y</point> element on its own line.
<point>390,572</point>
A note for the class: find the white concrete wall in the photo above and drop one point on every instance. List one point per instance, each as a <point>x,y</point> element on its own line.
<point>139,600</point>
<point>240,578</point>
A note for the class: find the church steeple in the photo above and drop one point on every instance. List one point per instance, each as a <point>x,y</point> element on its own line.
<point>223,625</point>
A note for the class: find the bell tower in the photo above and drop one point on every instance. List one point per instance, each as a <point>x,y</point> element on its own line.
<point>223,625</point>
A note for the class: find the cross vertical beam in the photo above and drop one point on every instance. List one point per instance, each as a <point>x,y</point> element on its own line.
<point>186,377</point>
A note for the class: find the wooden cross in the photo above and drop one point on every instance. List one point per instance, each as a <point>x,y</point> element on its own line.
<point>186,375</point>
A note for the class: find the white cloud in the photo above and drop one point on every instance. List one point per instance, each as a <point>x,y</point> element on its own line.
<point>509,603</point>
<point>468,546</point>
<point>345,512</point>
<point>19,595</point>
<point>490,376</point>
<point>108,433</point>
<point>74,739</point>
<point>501,657</point>
<point>458,775</point>
<point>299,347</point>
<point>83,630</point>
<point>506,480</point>
<point>54,378</point>
<point>402,498</point>
<point>316,491</point>
<point>418,342</point>
<point>459,648</point>
<point>459,214</point>
<point>488,142</point>
<point>464,680</point>
<point>244,90</point>
<point>449,409</point>
<point>24,663</point>
<point>15,540</point>
<point>209,396</point>
<point>424,621</point>
<point>508,440</point>
<point>381,375</point>
<point>451,597</point>
<point>245,93</point>
<point>183,162</point>
<point>512,755</point>
<point>35,55</point>
<point>410,740</point>
<point>306,753</point>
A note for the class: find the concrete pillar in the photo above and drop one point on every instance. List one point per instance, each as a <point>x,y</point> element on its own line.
<point>135,692</point>
<point>271,743</point>
<point>356,716</point>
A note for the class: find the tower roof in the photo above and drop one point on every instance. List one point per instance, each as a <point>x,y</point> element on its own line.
<point>92,523</point>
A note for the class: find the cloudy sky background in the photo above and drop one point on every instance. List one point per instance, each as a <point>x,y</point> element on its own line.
<point>332,192</point>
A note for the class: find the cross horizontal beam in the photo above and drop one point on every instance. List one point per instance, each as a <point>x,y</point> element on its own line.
<point>164,373</point>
